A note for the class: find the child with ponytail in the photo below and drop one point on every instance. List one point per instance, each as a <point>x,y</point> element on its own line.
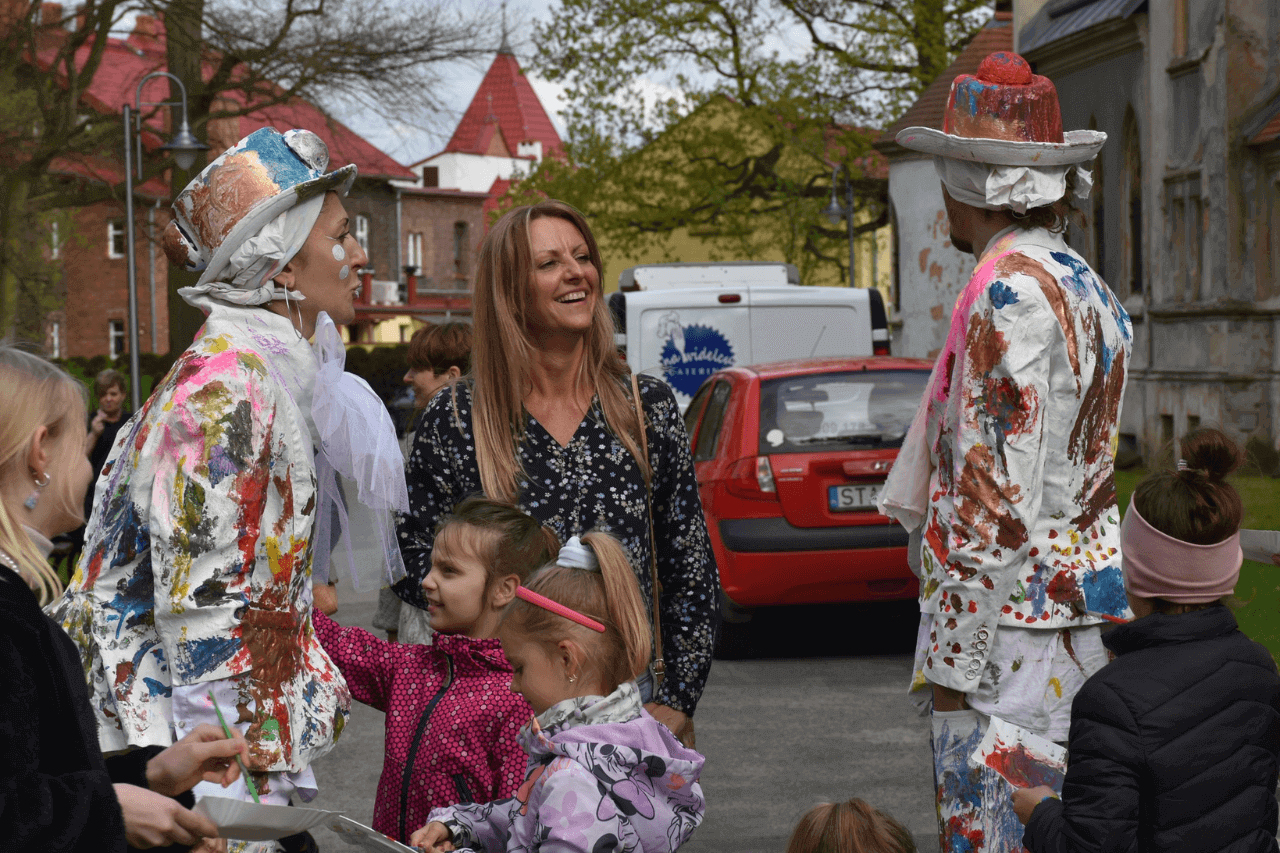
<point>602,773</point>
<point>451,721</point>
<point>1175,745</point>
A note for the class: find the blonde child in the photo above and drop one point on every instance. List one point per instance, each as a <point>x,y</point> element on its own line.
<point>602,773</point>
<point>451,721</point>
<point>853,826</point>
<point>57,792</point>
<point>1175,745</point>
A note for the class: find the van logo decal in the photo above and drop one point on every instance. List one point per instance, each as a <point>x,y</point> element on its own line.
<point>691,353</point>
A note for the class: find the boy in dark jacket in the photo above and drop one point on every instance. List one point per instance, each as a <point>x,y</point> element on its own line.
<point>1175,744</point>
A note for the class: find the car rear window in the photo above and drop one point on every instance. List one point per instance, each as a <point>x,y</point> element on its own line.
<point>858,409</point>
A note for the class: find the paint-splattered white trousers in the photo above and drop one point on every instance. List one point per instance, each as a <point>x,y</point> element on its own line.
<point>1030,678</point>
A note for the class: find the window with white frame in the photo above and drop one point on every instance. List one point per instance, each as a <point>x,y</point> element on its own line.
<point>362,232</point>
<point>55,241</point>
<point>413,251</point>
<point>115,238</point>
<point>54,343</point>
<point>116,345</point>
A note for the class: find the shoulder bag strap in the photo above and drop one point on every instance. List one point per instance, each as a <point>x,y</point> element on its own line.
<point>659,665</point>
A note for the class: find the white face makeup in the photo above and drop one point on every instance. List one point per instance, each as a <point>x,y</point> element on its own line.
<point>339,254</point>
<point>344,272</point>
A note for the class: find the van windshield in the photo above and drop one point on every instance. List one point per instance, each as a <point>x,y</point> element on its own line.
<point>862,409</point>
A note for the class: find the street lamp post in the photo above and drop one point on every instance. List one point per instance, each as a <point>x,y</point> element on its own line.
<point>184,146</point>
<point>835,211</point>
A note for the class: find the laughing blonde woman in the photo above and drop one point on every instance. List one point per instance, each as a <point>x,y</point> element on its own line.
<point>548,422</point>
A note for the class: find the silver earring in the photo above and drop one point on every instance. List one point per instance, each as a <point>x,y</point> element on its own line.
<point>289,311</point>
<point>573,678</point>
<point>34,497</point>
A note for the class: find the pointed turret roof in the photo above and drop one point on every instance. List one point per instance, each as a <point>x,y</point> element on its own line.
<point>504,112</point>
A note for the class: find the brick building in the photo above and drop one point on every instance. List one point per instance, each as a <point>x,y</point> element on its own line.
<point>93,265</point>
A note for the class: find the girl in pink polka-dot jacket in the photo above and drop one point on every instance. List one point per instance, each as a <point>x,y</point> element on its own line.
<point>452,719</point>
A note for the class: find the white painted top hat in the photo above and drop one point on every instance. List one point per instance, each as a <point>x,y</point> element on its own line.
<point>1004,116</point>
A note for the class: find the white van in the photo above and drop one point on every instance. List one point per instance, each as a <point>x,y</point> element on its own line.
<point>694,319</point>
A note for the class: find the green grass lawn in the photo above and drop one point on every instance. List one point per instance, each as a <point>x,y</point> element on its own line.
<point>1259,586</point>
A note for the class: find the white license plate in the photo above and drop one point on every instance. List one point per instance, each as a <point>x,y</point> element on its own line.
<point>842,498</point>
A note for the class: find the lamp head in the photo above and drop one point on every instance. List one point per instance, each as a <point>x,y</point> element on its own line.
<point>834,212</point>
<point>184,147</point>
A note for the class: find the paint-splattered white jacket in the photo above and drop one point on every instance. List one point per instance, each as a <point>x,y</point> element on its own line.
<point>1022,424</point>
<point>196,570</point>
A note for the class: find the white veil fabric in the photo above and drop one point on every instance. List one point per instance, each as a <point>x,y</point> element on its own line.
<point>360,471</point>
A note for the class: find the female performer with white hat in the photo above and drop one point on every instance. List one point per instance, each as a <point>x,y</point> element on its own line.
<point>1007,473</point>
<point>194,589</point>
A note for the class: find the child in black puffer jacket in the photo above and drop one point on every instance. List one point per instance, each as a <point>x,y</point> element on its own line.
<point>1174,745</point>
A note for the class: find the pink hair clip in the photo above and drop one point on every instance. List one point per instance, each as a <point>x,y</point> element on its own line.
<point>558,608</point>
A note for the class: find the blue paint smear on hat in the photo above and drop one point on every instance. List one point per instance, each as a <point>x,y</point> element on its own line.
<point>284,166</point>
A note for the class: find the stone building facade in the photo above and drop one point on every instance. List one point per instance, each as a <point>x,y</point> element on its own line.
<point>1185,212</point>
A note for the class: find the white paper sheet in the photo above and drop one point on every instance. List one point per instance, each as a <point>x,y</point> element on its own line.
<point>1023,758</point>
<point>246,821</point>
<point>1260,545</point>
<point>361,837</point>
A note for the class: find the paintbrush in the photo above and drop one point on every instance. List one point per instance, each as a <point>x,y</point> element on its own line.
<point>244,771</point>
<point>1116,619</point>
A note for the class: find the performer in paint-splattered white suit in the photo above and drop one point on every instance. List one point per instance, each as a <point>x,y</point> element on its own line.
<point>1007,475</point>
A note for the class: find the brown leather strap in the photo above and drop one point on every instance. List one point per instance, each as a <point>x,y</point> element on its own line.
<point>659,665</point>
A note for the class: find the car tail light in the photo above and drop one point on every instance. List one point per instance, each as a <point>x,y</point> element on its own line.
<point>880,348</point>
<point>752,477</point>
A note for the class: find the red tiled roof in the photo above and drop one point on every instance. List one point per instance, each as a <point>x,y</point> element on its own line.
<point>507,103</point>
<point>126,61</point>
<point>496,191</point>
<point>928,109</point>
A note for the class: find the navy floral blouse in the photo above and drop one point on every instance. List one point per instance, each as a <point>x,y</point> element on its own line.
<point>592,483</point>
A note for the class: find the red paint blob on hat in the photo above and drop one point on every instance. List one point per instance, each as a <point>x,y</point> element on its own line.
<point>1007,68</point>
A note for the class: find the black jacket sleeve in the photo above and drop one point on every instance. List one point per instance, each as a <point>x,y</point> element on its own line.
<point>55,794</point>
<point>1100,801</point>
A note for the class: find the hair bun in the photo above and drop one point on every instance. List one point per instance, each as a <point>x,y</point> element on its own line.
<point>1210,454</point>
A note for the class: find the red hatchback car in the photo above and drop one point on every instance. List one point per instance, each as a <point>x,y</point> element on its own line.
<point>790,458</point>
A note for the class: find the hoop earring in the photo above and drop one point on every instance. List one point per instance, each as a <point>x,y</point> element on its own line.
<point>34,497</point>
<point>289,311</point>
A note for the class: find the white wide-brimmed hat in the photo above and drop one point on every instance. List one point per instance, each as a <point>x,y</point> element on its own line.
<point>1004,116</point>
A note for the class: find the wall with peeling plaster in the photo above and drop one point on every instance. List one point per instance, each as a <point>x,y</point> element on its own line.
<point>1206,322</point>
<point>931,272</point>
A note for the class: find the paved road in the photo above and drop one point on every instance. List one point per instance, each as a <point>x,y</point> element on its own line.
<point>817,713</point>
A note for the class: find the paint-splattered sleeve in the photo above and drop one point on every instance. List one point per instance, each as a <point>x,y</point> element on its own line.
<point>1099,809</point>
<point>996,455</point>
<point>221,500</point>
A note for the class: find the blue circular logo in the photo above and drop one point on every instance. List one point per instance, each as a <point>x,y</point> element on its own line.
<point>692,354</point>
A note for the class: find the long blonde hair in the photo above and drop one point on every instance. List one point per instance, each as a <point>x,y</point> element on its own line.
<point>610,596</point>
<point>34,393</point>
<point>503,350</point>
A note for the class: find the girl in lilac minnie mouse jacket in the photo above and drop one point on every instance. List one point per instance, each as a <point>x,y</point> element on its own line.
<point>451,719</point>
<point>602,773</point>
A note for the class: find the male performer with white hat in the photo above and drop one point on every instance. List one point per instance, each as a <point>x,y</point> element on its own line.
<point>1007,474</point>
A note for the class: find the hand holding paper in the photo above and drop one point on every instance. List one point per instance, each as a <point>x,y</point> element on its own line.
<point>1023,758</point>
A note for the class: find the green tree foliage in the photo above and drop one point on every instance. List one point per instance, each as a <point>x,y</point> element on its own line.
<point>650,88</point>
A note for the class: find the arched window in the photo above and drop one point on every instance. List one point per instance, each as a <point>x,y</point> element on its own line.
<point>1133,276</point>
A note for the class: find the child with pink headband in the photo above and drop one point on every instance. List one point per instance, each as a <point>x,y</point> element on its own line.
<point>1175,745</point>
<point>602,773</point>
